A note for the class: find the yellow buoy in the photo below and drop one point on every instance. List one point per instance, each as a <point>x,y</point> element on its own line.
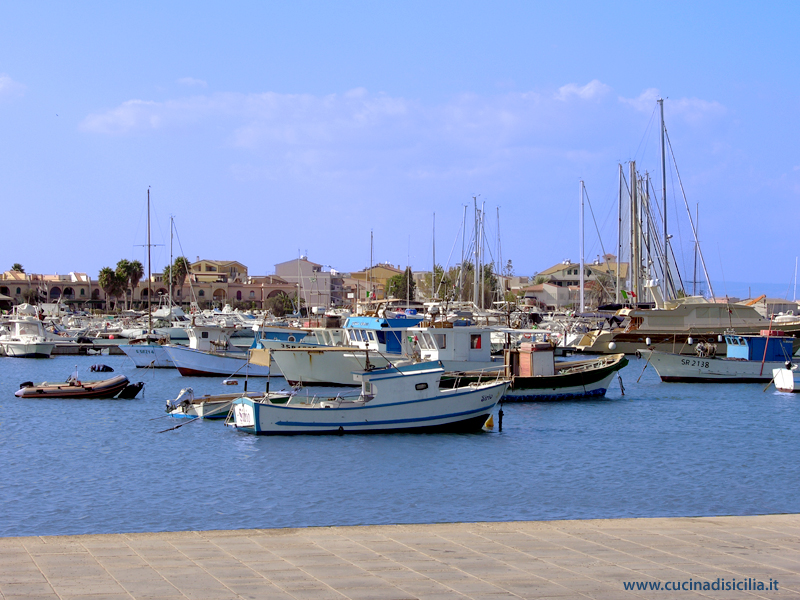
<point>489,423</point>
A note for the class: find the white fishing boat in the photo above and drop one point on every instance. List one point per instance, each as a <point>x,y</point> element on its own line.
<point>750,359</point>
<point>25,338</point>
<point>406,398</point>
<point>210,353</point>
<point>148,351</point>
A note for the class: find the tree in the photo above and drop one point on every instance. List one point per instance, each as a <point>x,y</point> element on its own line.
<point>280,304</point>
<point>31,296</point>
<point>111,283</point>
<point>17,267</point>
<point>136,273</point>
<point>123,274</point>
<point>402,286</point>
<point>540,279</point>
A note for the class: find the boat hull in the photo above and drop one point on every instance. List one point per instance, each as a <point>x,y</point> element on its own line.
<point>449,410</point>
<point>786,380</point>
<point>197,363</point>
<point>107,388</point>
<point>324,366</point>
<point>572,380</point>
<point>28,349</point>
<point>148,355</point>
<point>693,369</point>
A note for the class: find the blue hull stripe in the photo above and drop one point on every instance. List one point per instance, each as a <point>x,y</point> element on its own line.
<point>392,422</point>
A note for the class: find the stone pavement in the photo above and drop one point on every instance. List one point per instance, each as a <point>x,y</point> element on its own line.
<point>491,561</point>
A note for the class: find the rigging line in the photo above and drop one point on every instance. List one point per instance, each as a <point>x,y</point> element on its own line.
<point>689,212</point>
<point>186,265</point>
<point>589,202</point>
<point>444,268</point>
<point>646,134</point>
<point>678,225</point>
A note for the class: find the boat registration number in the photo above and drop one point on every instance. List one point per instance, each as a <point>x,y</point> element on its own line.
<point>693,362</point>
<point>244,416</point>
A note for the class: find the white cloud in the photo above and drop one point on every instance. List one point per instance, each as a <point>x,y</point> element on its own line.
<point>692,110</point>
<point>9,87</point>
<point>594,90</point>
<point>191,81</point>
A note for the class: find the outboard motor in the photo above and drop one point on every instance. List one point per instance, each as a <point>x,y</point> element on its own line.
<point>101,369</point>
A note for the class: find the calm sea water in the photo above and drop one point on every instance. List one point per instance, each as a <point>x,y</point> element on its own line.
<point>100,466</point>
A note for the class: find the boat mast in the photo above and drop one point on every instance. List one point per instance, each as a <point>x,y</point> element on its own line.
<point>170,264</point>
<point>477,256</point>
<point>635,261</point>
<point>149,292</point>
<point>433,270</point>
<point>580,228</point>
<point>461,270</point>
<point>619,233</point>
<point>664,199</point>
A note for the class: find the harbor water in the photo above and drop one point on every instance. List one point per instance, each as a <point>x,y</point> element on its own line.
<point>101,466</point>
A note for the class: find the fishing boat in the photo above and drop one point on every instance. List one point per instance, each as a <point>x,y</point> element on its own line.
<point>211,354</point>
<point>406,398</point>
<point>536,376</point>
<point>215,406</point>
<point>115,387</point>
<point>750,359</point>
<point>147,351</point>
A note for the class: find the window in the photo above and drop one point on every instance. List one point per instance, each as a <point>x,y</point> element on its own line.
<point>441,340</point>
<point>83,292</point>
<point>421,386</point>
<point>179,293</point>
<point>239,295</point>
<point>475,341</point>
<point>204,335</point>
<point>252,294</point>
<point>19,291</point>
<point>201,293</point>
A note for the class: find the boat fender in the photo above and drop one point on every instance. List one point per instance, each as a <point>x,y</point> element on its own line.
<point>25,384</point>
<point>787,364</point>
<point>341,430</point>
<point>638,354</point>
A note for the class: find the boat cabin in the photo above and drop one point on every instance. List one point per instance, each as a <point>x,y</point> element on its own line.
<point>384,335</point>
<point>210,338</point>
<point>533,359</point>
<point>457,343</point>
<point>751,347</point>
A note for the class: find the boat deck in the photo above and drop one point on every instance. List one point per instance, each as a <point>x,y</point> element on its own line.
<point>562,559</point>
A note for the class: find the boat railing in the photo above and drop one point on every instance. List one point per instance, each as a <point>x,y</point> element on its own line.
<point>478,377</point>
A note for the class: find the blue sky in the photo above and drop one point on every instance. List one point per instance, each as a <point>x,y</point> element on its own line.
<point>270,129</point>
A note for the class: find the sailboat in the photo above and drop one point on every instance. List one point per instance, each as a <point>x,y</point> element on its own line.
<point>147,350</point>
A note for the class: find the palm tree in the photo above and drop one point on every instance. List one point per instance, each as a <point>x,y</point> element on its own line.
<point>135,274</point>
<point>124,276</point>
<point>107,279</point>
<point>17,267</point>
<point>181,271</point>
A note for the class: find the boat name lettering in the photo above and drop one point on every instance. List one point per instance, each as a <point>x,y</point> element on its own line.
<point>693,362</point>
<point>486,398</point>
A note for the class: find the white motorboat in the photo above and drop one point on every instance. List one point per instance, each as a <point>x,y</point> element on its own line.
<point>210,353</point>
<point>750,359</point>
<point>786,378</point>
<point>26,339</point>
<point>406,398</point>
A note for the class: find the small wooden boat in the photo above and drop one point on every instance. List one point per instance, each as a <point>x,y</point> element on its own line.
<point>115,387</point>
<point>206,406</point>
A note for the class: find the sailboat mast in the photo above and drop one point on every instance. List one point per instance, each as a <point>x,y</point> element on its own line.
<point>170,262</point>
<point>477,256</point>
<point>619,233</point>
<point>581,234</point>
<point>664,198</point>
<point>149,292</point>
<point>433,269</point>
